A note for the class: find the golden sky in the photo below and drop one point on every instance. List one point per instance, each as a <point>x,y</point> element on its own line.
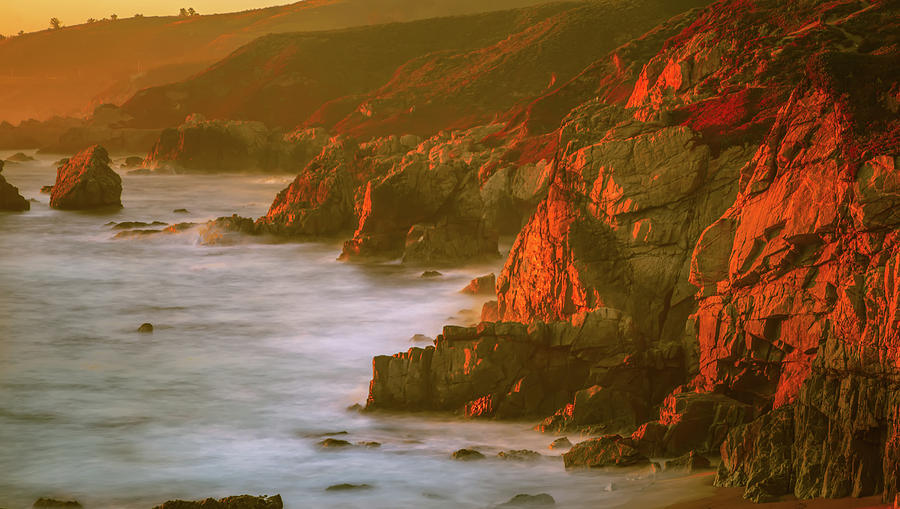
<point>31,15</point>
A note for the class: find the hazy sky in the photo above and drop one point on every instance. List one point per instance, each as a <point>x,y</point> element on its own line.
<point>31,15</point>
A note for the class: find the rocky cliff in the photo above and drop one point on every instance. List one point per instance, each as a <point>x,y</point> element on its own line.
<point>10,199</point>
<point>715,259</point>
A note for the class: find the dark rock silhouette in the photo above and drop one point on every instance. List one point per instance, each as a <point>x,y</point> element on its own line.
<point>10,199</point>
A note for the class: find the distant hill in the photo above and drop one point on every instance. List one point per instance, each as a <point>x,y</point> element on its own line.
<point>416,77</point>
<point>70,71</point>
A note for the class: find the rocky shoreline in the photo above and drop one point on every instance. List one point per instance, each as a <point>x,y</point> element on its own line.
<point>707,256</point>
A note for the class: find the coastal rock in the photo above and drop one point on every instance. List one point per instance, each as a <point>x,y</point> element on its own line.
<point>146,328</point>
<point>526,500</point>
<point>483,285</point>
<point>132,162</point>
<point>50,503</point>
<point>718,240</point>
<point>606,451</point>
<point>209,146</point>
<point>10,199</point>
<point>467,455</point>
<point>560,443</point>
<point>19,157</point>
<point>699,421</point>
<point>501,368</point>
<point>348,487</point>
<point>519,455</point>
<point>235,502</point>
<point>334,443</point>
<point>86,181</point>
<point>759,455</point>
<point>689,463</point>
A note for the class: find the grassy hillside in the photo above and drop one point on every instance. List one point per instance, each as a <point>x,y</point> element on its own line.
<point>69,71</point>
<point>416,77</point>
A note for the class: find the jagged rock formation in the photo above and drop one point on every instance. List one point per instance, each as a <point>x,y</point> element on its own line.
<point>86,181</point>
<point>10,199</point>
<point>737,214</point>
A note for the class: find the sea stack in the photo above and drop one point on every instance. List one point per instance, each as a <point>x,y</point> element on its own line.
<point>87,182</point>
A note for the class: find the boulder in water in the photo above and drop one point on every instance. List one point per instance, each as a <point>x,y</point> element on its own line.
<point>467,455</point>
<point>334,443</point>
<point>132,162</point>
<point>86,181</point>
<point>146,328</point>
<point>348,487</point>
<point>50,503</point>
<point>19,157</point>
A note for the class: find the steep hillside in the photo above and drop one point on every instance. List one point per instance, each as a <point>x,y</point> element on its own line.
<point>416,77</point>
<point>69,71</point>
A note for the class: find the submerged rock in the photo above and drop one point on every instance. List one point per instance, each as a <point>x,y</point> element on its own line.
<point>525,500</point>
<point>334,443</point>
<point>348,487</point>
<point>86,181</point>
<point>519,455</point>
<point>145,328</point>
<point>467,455</point>
<point>128,225</point>
<point>430,274</point>
<point>50,503</point>
<point>235,502</point>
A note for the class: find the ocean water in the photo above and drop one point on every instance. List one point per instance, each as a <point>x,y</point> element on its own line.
<point>258,351</point>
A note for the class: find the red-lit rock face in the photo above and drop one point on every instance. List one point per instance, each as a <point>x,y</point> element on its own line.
<point>86,181</point>
<point>738,208</point>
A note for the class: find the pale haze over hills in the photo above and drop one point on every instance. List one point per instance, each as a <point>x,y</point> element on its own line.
<point>71,70</point>
<point>35,15</point>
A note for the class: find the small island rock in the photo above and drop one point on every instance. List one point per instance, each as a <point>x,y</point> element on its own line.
<point>86,181</point>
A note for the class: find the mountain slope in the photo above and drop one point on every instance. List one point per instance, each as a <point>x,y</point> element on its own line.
<point>415,77</point>
<point>68,71</point>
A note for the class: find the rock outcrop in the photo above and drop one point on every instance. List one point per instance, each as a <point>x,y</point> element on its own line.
<point>216,146</point>
<point>10,199</point>
<point>725,219</point>
<point>235,502</point>
<point>608,451</point>
<point>86,181</point>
